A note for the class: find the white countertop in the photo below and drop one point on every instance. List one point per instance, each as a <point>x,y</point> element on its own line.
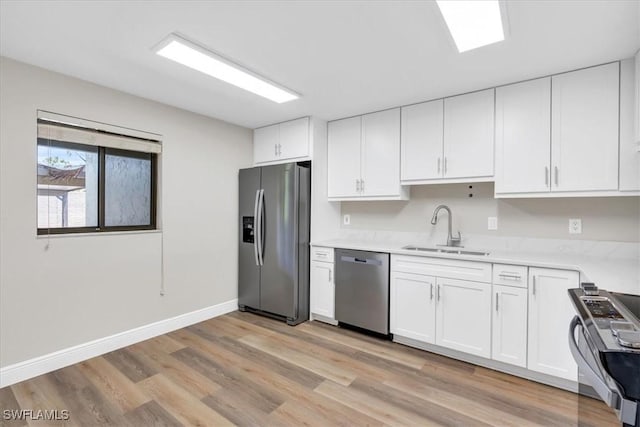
<point>614,266</point>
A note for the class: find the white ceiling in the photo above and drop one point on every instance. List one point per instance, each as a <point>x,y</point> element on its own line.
<point>344,57</point>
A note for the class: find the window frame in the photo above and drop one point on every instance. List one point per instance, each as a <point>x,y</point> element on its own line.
<point>101,227</point>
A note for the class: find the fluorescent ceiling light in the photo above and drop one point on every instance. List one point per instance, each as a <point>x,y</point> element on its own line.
<point>473,23</point>
<point>193,56</point>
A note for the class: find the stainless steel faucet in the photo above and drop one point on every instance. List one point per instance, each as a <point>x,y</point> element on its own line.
<point>451,241</point>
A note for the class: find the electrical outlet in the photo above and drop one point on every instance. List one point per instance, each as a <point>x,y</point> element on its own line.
<point>575,226</point>
<point>346,219</point>
<point>492,223</point>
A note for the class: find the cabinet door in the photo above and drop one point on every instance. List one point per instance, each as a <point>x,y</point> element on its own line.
<point>468,135</point>
<point>322,289</point>
<point>380,167</point>
<point>509,338</point>
<point>294,138</point>
<point>265,144</point>
<point>523,142</point>
<point>463,316</point>
<point>343,151</point>
<point>413,309</point>
<point>629,145</point>
<point>584,123</point>
<point>550,313</point>
<point>421,142</point>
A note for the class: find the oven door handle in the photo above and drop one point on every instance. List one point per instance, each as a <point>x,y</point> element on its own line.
<point>595,379</point>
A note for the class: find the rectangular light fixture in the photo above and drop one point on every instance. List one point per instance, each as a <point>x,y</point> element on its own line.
<point>193,56</point>
<point>472,23</point>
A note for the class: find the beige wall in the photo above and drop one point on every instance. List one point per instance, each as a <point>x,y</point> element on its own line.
<point>73,289</point>
<point>606,218</point>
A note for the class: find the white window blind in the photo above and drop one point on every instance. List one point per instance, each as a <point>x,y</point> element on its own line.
<point>72,129</point>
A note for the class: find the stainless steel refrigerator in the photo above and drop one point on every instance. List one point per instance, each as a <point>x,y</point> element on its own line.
<point>273,259</point>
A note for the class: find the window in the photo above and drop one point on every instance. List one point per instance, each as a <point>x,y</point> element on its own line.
<point>91,180</point>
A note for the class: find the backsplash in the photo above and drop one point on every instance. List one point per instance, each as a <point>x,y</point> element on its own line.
<point>603,219</point>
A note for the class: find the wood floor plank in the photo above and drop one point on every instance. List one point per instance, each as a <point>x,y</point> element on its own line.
<point>266,361</point>
<point>181,404</point>
<point>89,407</point>
<point>131,366</point>
<point>8,402</point>
<point>176,371</point>
<point>232,379</point>
<point>163,343</point>
<point>113,384</point>
<point>35,395</point>
<point>362,345</point>
<point>381,410</point>
<point>321,367</point>
<point>152,414</point>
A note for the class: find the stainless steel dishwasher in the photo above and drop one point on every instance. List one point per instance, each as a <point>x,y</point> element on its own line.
<point>362,289</point>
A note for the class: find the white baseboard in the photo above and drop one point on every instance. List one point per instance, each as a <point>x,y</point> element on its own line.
<point>59,359</point>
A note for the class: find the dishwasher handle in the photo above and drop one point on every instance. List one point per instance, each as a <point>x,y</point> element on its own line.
<point>356,260</point>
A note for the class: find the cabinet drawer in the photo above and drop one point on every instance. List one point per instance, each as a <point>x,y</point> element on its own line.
<point>510,275</point>
<point>440,267</point>
<point>319,253</point>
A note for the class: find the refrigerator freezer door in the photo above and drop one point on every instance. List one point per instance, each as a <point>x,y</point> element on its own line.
<point>248,269</point>
<point>278,290</point>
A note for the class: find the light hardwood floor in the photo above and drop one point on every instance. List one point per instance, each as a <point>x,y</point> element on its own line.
<point>248,370</point>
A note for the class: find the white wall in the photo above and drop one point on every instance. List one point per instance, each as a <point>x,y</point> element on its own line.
<point>69,290</point>
<point>605,218</point>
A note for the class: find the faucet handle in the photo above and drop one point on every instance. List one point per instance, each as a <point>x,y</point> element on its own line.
<point>455,241</point>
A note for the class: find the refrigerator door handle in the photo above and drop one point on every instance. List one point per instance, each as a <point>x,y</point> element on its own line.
<point>260,231</point>
<point>256,239</point>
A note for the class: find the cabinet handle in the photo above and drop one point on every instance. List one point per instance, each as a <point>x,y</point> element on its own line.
<point>509,276</point>
<point>330,275</point>
<point>279,150</point>
<point>275,149</point>
<point>431,292</point>
<point>497,301</point>
<point>357,185</point>
<point>438,165</point>
<point>362,185</point>
<point>546,176</point>
<point>445,165</point>
<point>556,171</point>
<point>438,292</point>
<point>534,285</point>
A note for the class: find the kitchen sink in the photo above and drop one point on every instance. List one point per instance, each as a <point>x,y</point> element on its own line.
<point>457,251</point>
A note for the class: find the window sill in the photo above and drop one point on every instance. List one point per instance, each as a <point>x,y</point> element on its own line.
<point>103,233</point>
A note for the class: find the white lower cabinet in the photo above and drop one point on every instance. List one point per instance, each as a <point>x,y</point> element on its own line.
<point>512,314</point>
<point>550,313</point>
<point>447,311</point>
<point>413,306</point>
<point>509,337</point>
<point>463,316</point>
<point>322,286</point>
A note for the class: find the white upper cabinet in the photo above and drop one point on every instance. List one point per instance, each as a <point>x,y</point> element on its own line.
<point>265,144</point>
<point>629,115</point>
<point>468,135</point>
<point>380,164</point>
<point>364,157</point>
<point>523,143</point>
<point>422,139</point>
<point>344,157</point>
<point>449,140</point>
<point>584,131</point>
<point>282,142</point>
<point>294,138</point>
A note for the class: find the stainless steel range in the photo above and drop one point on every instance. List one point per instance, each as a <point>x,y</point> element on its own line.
<point>607,348</point>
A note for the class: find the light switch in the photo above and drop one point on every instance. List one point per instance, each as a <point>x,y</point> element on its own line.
<point>346,219</point>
